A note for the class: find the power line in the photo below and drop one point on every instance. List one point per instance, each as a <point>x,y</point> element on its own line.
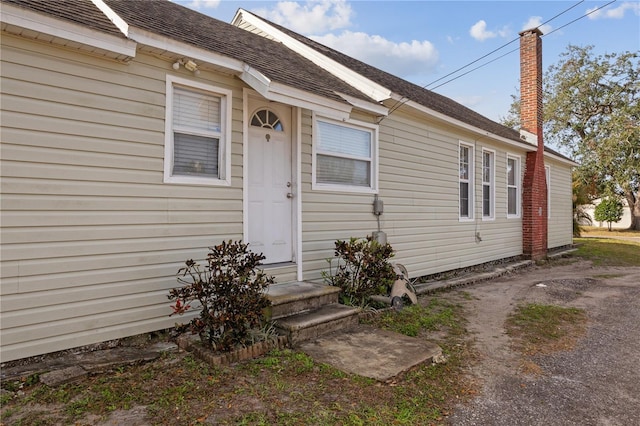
<point>583,16</point>
<point>404,100</point>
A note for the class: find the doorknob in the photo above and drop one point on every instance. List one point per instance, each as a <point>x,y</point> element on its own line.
<point>289,195</point>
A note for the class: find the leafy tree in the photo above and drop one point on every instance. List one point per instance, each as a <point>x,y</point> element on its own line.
<point>591,108</point>
<point>584,192</point>
<point>609,210</point>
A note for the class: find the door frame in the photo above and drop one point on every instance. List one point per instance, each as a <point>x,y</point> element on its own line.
<point>296,174</point>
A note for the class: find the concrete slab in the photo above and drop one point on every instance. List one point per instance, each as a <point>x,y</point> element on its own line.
<point>66,375</point>
<point>370,352</point>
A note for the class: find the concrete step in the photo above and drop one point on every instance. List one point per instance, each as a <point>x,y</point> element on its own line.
<point>293,298</point>
<point>309,325</point>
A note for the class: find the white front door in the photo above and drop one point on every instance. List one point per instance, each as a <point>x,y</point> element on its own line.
<point>270,183</point>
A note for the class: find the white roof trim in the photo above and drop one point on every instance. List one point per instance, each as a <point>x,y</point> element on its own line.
<point>56,27</point>
<point>464,125</point>
<point>364,85</point>
<point>561,159</point>
<point>184,49</point>
<point>113,16</point>
<point>364,105</point>
<point>529,137</point>
<point>288,95</point>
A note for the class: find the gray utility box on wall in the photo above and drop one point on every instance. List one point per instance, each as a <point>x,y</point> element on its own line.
<point>380,237</point>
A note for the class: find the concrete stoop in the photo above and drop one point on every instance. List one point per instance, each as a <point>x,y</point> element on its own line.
<point>304,310</point>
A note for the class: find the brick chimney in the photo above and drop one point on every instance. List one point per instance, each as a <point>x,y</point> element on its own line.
<point>534,191</point>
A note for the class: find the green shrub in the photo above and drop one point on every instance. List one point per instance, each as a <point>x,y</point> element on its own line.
<point>363,269</point>
<point>231,292</point>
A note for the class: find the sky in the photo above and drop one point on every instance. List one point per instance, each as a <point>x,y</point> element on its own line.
<point>424,41</point>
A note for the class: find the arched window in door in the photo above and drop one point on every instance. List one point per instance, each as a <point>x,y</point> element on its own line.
<point>267,119</point>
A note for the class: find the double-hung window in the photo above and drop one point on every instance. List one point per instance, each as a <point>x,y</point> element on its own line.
<point>466,181</point>
<point>344,156</point>
<point>488,184</point>
<point>197,139</point>
<point>513,186</point>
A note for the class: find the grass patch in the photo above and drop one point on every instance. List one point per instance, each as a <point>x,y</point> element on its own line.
<point>609,252</point>
<point>594,231</point>
<point>541,329</point>
<point>414,320</point>
<point>285,387</point>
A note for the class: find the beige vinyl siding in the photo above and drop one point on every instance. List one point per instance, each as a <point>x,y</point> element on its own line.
<point>560,228</point>
<point>418,180</point>
<point>91,236</point>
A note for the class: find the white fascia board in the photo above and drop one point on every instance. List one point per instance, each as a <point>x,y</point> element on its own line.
<point>367,87</point>
<point>161,42</point>
<point>464,125</point>
<point>529,137</point>
<point>295,97</point>
<point>113,16</point>
<point>561,159</point>
<point>376,109</point>
<point>55,27</point>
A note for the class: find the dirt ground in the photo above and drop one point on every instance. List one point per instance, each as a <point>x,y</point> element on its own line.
<point>595,383</point>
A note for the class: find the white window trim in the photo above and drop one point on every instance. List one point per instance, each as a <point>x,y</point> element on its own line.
<point>492,186</point>
<point>471,180</point>
<point>547,170</point>
<point>360,125</point>
<point>518,174</point>
<point>224,144</point>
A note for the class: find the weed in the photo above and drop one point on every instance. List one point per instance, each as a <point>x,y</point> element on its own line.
<point>545,328</point>
<point>606,276</point>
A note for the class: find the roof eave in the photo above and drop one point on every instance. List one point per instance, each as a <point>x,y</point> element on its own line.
<point>180,48</point>
<point>282,93</point>
<point>55,27</point>
<point>368,87</point>
<point>466,126</point>
<point>561,159</point>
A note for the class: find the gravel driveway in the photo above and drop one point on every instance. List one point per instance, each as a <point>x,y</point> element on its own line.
<point>596,383</point>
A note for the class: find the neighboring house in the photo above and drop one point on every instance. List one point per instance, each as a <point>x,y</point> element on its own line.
<point>624,223</point>
<point>136,134</point>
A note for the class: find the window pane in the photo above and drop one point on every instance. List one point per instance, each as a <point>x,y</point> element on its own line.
<point>511,171</point>
<point>486,167</point>
<point>195,155</point>
<point>195,110</point>
<point>464,163</point>
<point>512,201</point>
<point>464,199</point>
<point>344,140</point>
<point>343,171</point>
<point>486,200</point>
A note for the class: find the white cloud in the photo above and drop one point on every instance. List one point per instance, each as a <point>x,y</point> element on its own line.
<point>402,59</point>
<point>534,22</point>
<point>479,31</point>
<point>311,17</point>
<point>616,12</point>
<point>203,4</point>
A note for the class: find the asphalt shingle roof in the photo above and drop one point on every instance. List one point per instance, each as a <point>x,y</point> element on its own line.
<point>271,58</point>
<point>81,12</point>
<point>411,91</point>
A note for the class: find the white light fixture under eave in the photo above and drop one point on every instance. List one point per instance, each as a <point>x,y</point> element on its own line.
<point>188,64</point>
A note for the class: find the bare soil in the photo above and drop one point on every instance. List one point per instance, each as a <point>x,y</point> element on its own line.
<point>591,378</point>
<point>594,380</point>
